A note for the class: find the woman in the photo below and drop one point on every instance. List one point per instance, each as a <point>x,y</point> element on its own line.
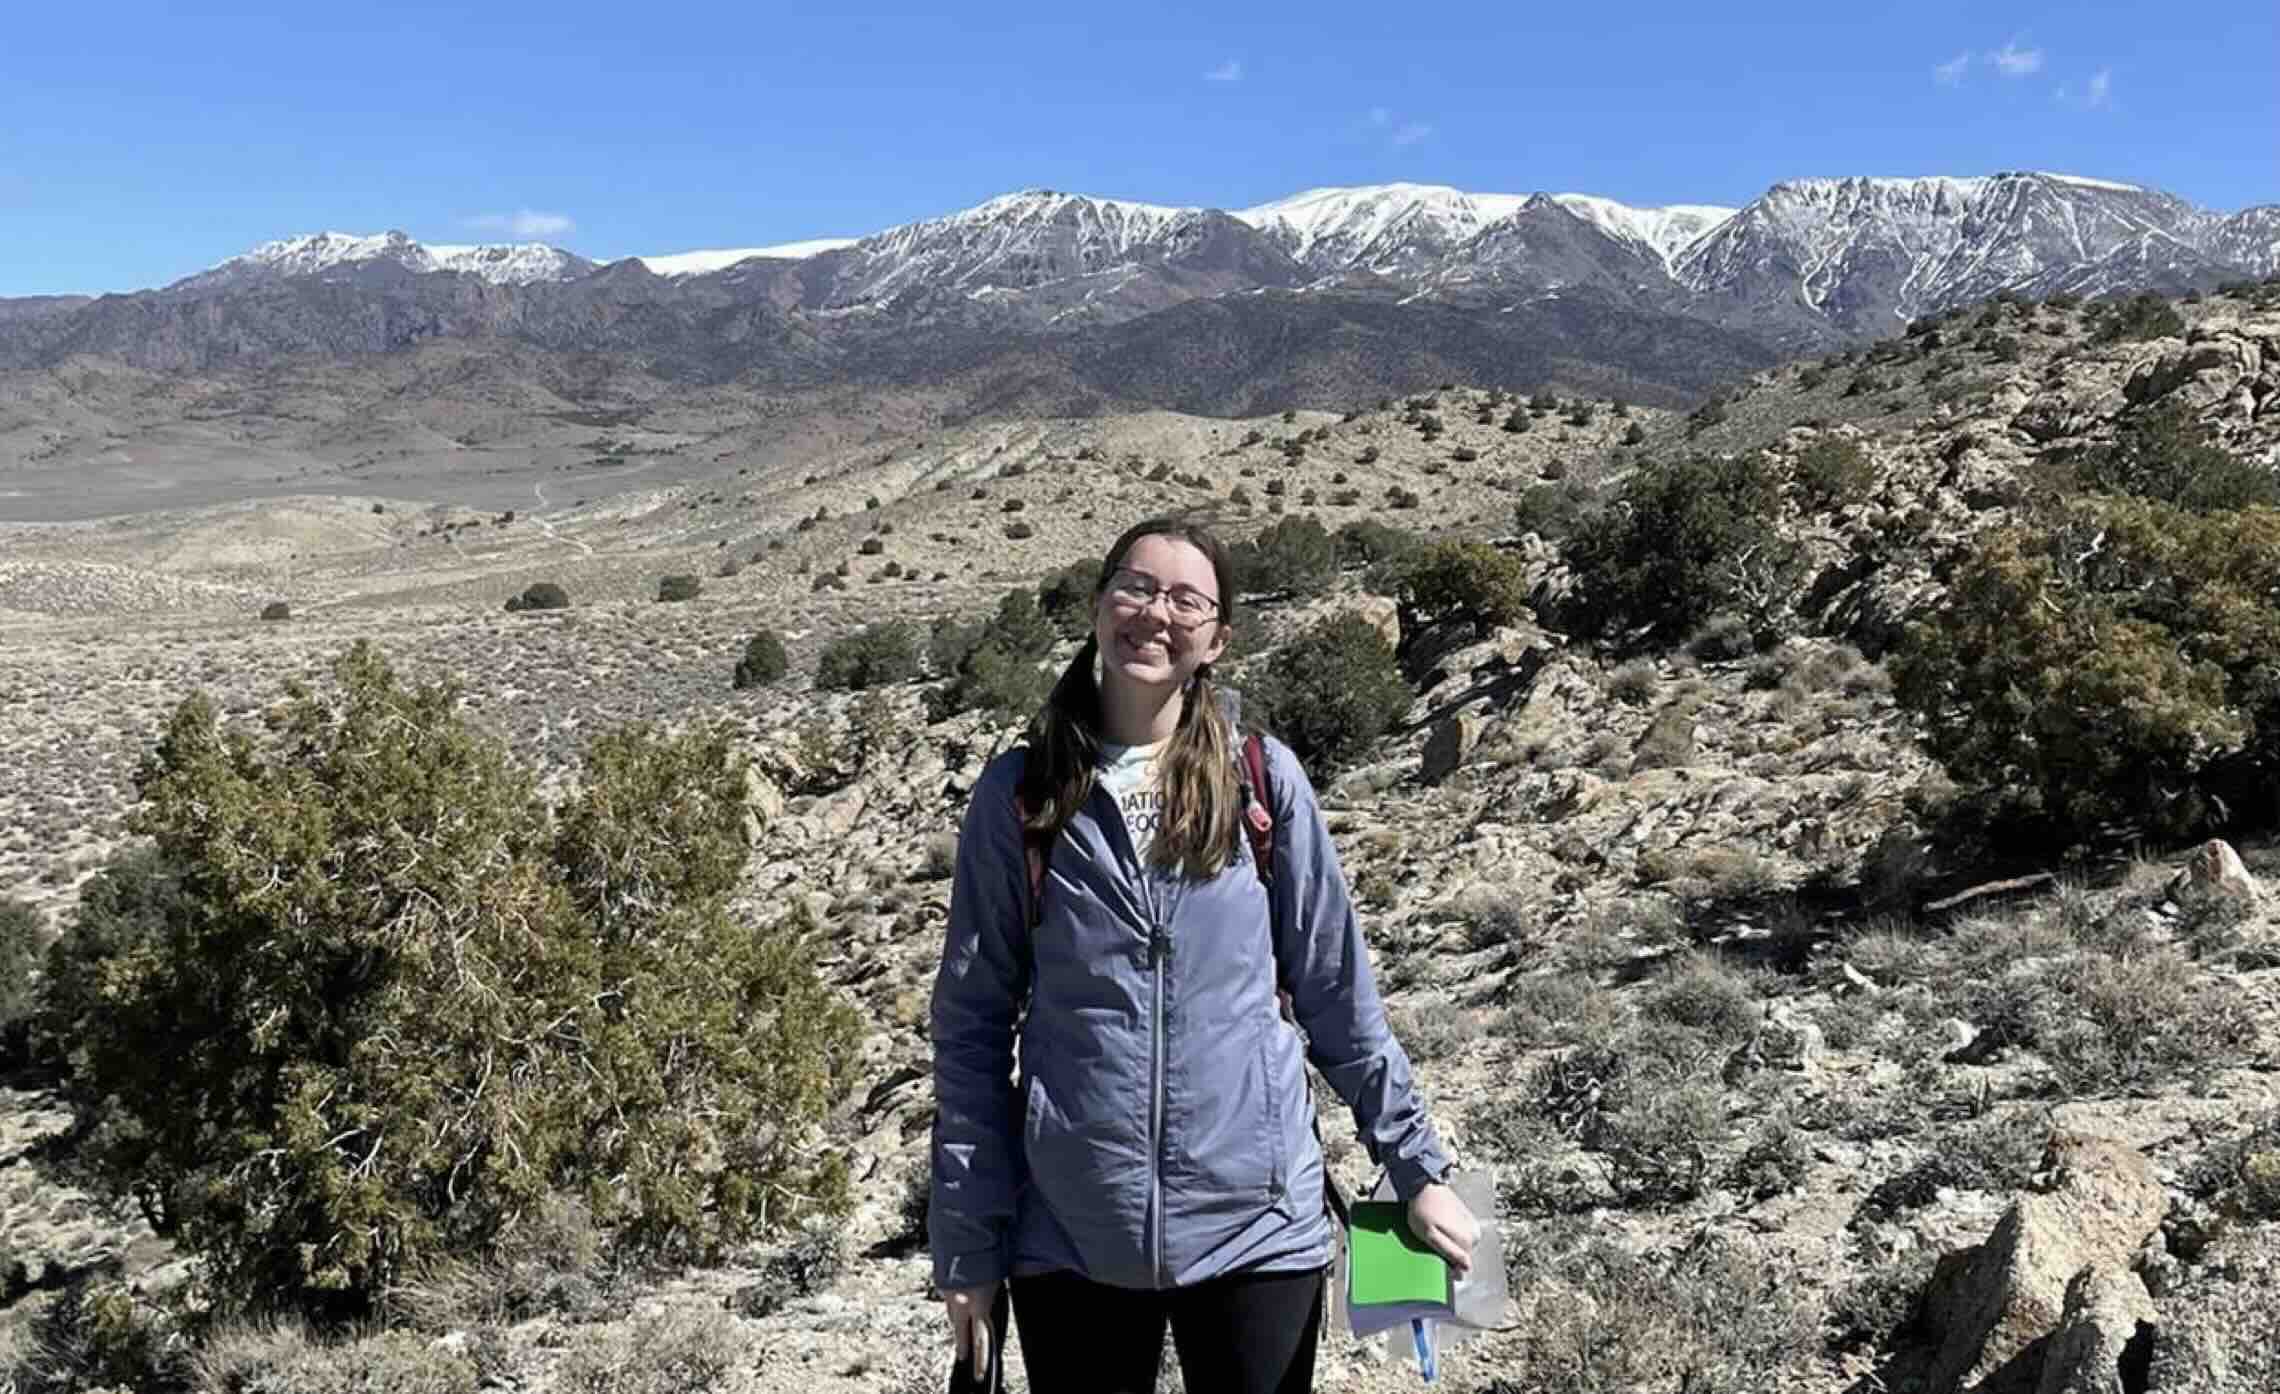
<point>1158,1164</point>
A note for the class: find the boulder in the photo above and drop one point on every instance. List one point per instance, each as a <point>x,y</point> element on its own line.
<point>2214,870</point>
<point>1449,744</point>
<point>2000,1311</point>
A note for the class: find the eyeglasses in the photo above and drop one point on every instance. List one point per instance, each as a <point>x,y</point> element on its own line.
<point>1133,590</point>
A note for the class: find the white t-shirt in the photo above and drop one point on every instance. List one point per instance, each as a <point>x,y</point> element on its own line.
<point>1128,772</point>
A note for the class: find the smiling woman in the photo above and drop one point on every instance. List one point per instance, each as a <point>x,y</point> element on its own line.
<point>1136,887</point>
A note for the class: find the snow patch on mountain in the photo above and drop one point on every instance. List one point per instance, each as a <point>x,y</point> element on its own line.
<point>1663,232</point>
<point>704,263</point>
<point>2081,183</point>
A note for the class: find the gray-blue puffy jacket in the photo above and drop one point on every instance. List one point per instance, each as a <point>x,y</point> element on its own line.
<point>1162,1132</point>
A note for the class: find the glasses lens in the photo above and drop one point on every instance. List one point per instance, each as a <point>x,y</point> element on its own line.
<point>1190,605</point>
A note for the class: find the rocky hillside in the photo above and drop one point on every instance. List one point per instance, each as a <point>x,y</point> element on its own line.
<point>1782,1091</point>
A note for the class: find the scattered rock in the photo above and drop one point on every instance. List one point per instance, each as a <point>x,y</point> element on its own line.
<point>2215,870</point>
<point>2220,1328</point>
<point>1997,1308</point>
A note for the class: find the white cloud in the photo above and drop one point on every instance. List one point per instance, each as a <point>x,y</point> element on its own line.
<point>2097,92</point>
<point>1412,132</point>
<point>1950,73</point>
<point>2013,61</point>
<point>1229,71</point>
<point>525,224</point>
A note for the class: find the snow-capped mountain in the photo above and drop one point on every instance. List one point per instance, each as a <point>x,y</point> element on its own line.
<point>519,264</point>
<point>1388,229</point>
<point>319,253</point>
<point>2249,239</point>
<point>1860,255</point>
<point>1809,264</point>
<point>1016,242</point>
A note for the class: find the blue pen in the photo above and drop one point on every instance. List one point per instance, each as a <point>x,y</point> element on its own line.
<point>1425,1366</point>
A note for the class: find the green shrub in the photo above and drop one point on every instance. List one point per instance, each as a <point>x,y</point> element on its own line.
<point>2142,316</point>
<point>135,900</point>
<point>96,1336</point>
<point>1688,540</point>
<point>1834,471</point>
<point>2167,456</point>
<point>1553,511</point>
<point>2110,665</point>
<point>1702,991</point>
<point>764,661</point>
<point>1294,556</point>
<point>401,1003</point>
<point>1331,691</point>
<point>874,656</point>
<point>1464,583</point>
<point>814,1259</point>
<point>994,678</point>
<point>22,940</point>
<point>539,595</point>
<point>1368,542</point>
<point>1065,598</point>
<point>678,587</point>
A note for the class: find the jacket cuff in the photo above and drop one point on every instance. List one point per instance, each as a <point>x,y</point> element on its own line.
<point>969,1270</point>
<point>1412,1174</point>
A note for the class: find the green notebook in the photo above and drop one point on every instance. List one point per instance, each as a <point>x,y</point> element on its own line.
<point>1388,1264</point>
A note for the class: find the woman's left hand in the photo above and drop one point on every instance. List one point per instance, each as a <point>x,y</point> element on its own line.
<point>1440,1217</point>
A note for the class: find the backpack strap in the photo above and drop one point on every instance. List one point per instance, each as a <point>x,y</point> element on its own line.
<point>1258,806</point>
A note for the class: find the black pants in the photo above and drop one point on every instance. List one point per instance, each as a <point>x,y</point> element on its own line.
<point>1247,1333</point>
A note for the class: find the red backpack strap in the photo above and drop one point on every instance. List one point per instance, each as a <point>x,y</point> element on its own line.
<point>1258,807</point>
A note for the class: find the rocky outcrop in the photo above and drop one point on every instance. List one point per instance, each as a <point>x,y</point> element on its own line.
<point>2215,872</point>
<point>2050,1303</point>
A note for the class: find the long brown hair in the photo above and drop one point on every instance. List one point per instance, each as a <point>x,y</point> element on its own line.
<point>1202,800</point>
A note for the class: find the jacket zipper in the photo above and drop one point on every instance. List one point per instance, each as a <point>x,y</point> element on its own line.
<point>1159,950</point>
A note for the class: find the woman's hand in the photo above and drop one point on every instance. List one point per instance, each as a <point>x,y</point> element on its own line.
<point>969,1310</point>
<point>1440,1217</point>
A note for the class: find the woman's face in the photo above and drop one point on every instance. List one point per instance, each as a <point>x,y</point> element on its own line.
<point>1158,618</point>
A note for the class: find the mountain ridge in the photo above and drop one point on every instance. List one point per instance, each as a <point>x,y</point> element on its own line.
<point>1040,275</point>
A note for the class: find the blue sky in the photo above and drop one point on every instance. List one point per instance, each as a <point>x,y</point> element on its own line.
<point>140,141</point>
